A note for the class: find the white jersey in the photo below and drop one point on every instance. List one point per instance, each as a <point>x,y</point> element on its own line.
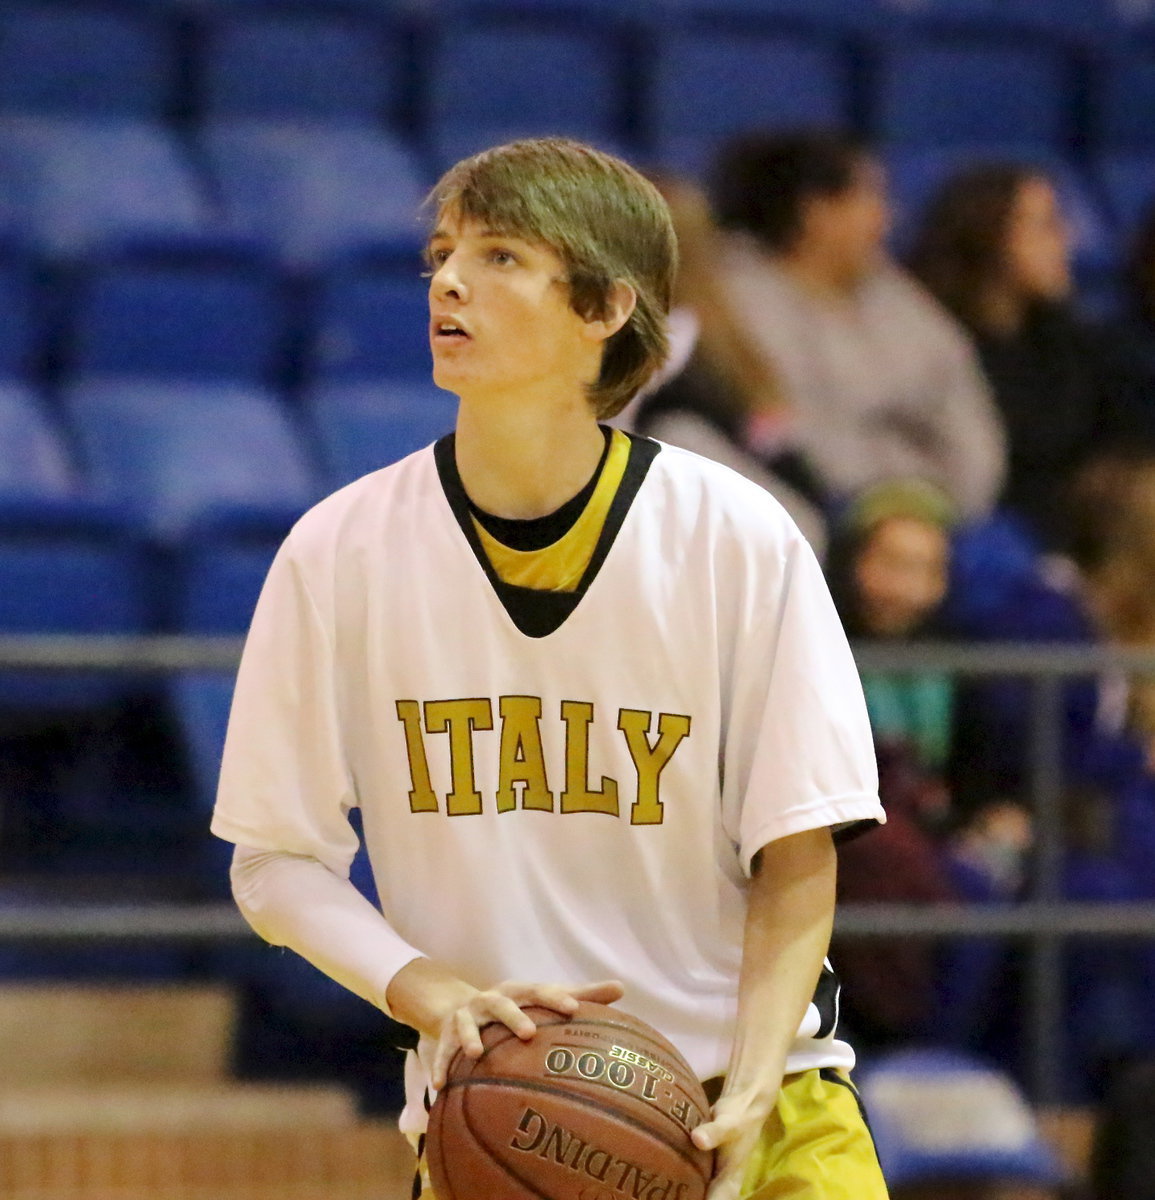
<point>566,796</point>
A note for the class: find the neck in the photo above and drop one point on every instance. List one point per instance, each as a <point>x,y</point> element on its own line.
<point>520,460</point>
<point>819,275</point>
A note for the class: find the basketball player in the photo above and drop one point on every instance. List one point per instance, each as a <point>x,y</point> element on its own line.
<point>589,692</point>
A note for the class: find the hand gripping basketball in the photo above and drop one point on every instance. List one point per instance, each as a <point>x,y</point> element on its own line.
<point>504,1004</point>
<point>597,1105</point>
<point>733,1131</point>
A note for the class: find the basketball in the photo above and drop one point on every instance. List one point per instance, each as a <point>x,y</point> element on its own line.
<point>596,1106</point>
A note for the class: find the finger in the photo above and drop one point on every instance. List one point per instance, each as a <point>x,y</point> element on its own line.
<point>554,996</point>
<point>606,991</point>
<point>447,1047</point>
<point>467,1032</point>
<point>494,1007</point>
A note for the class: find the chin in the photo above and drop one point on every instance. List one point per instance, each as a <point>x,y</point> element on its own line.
<point>445,377</point>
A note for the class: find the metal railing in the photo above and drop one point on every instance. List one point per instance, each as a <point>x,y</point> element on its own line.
<point>1042,921</point>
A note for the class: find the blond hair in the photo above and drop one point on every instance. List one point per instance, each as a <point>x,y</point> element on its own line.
<point>606,222</point>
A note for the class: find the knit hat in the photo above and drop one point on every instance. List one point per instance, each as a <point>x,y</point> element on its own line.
<point>911,497</point>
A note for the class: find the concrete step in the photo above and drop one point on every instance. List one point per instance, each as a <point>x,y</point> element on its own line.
<point>370,1161</point>
<point>72,1034</point>
<point>149,1108</point>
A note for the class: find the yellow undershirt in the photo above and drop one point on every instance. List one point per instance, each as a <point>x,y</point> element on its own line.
<point>560,566</point>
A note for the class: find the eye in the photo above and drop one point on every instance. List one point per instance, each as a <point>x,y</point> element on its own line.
<point>502,258</point>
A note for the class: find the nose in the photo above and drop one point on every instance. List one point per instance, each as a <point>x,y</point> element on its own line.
<point>446,282</point>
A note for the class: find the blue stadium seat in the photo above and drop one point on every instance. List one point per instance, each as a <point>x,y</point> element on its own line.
<point>832,15</point>
<point>35,466</point>
<point>67,564</point>
<point>20,325</point>
<point>708,86</point>
<point>944,93</point>
<point>77,578</point>
<point>526,77</point>
<point>1128,182</point>
<point>183,455</point>
<point>181,320</point>
<point>366,426</point>
<point>218,582</point>
<point>985,1129</point>
<point>600,10</point>
<point>77,186</point>
<point>1085,20</point>
<point>199,702</point>
<point>309,193</point>
<point>84,62</point>
<point>301,66</point>
<point>1137,17</point>
<point>370,324</point>
<point>220,579</point>
<point>1123,103</point>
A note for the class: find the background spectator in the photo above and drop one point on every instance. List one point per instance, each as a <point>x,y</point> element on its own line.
<point>888,570</point>
<point>995,249</point>
<point>881,382</point>
<point>1135,328</point>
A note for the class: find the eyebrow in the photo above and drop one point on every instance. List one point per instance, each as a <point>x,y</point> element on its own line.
<point>440,235</point>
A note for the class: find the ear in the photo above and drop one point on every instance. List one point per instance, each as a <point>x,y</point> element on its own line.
<point>620,305</point>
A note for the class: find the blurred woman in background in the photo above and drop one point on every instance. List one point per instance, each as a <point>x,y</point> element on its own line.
<point>995,249</point>
<point>1135,328</point>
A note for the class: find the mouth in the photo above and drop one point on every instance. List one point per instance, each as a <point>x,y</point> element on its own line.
<point>446,330</point>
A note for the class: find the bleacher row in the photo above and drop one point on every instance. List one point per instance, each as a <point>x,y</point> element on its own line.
<point>211,309</point>
<point>219,121</point>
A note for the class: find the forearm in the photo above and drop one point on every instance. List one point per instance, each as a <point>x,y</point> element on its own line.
<point>295,901</point>
<point>788,923</point>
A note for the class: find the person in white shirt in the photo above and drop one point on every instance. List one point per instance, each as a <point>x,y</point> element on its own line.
<point>589,692</point>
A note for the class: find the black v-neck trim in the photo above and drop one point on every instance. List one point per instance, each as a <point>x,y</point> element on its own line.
<point>539,613</point>
<point>537,533</point>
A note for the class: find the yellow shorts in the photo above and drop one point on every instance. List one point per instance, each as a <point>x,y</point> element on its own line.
<point>815,1143</point>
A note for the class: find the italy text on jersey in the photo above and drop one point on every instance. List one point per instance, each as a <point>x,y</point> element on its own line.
<point>522,757</point>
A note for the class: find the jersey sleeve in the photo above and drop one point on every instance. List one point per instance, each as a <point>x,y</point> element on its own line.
<point>799,753</point>
<point>285,784</point>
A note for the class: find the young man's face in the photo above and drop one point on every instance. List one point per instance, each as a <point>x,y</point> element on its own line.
<point>500,317</point>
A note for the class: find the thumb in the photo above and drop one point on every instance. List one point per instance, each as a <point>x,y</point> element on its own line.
<point>714,1133</point>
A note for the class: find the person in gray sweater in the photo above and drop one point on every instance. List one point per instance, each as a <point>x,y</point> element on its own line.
<point>878,381</point>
